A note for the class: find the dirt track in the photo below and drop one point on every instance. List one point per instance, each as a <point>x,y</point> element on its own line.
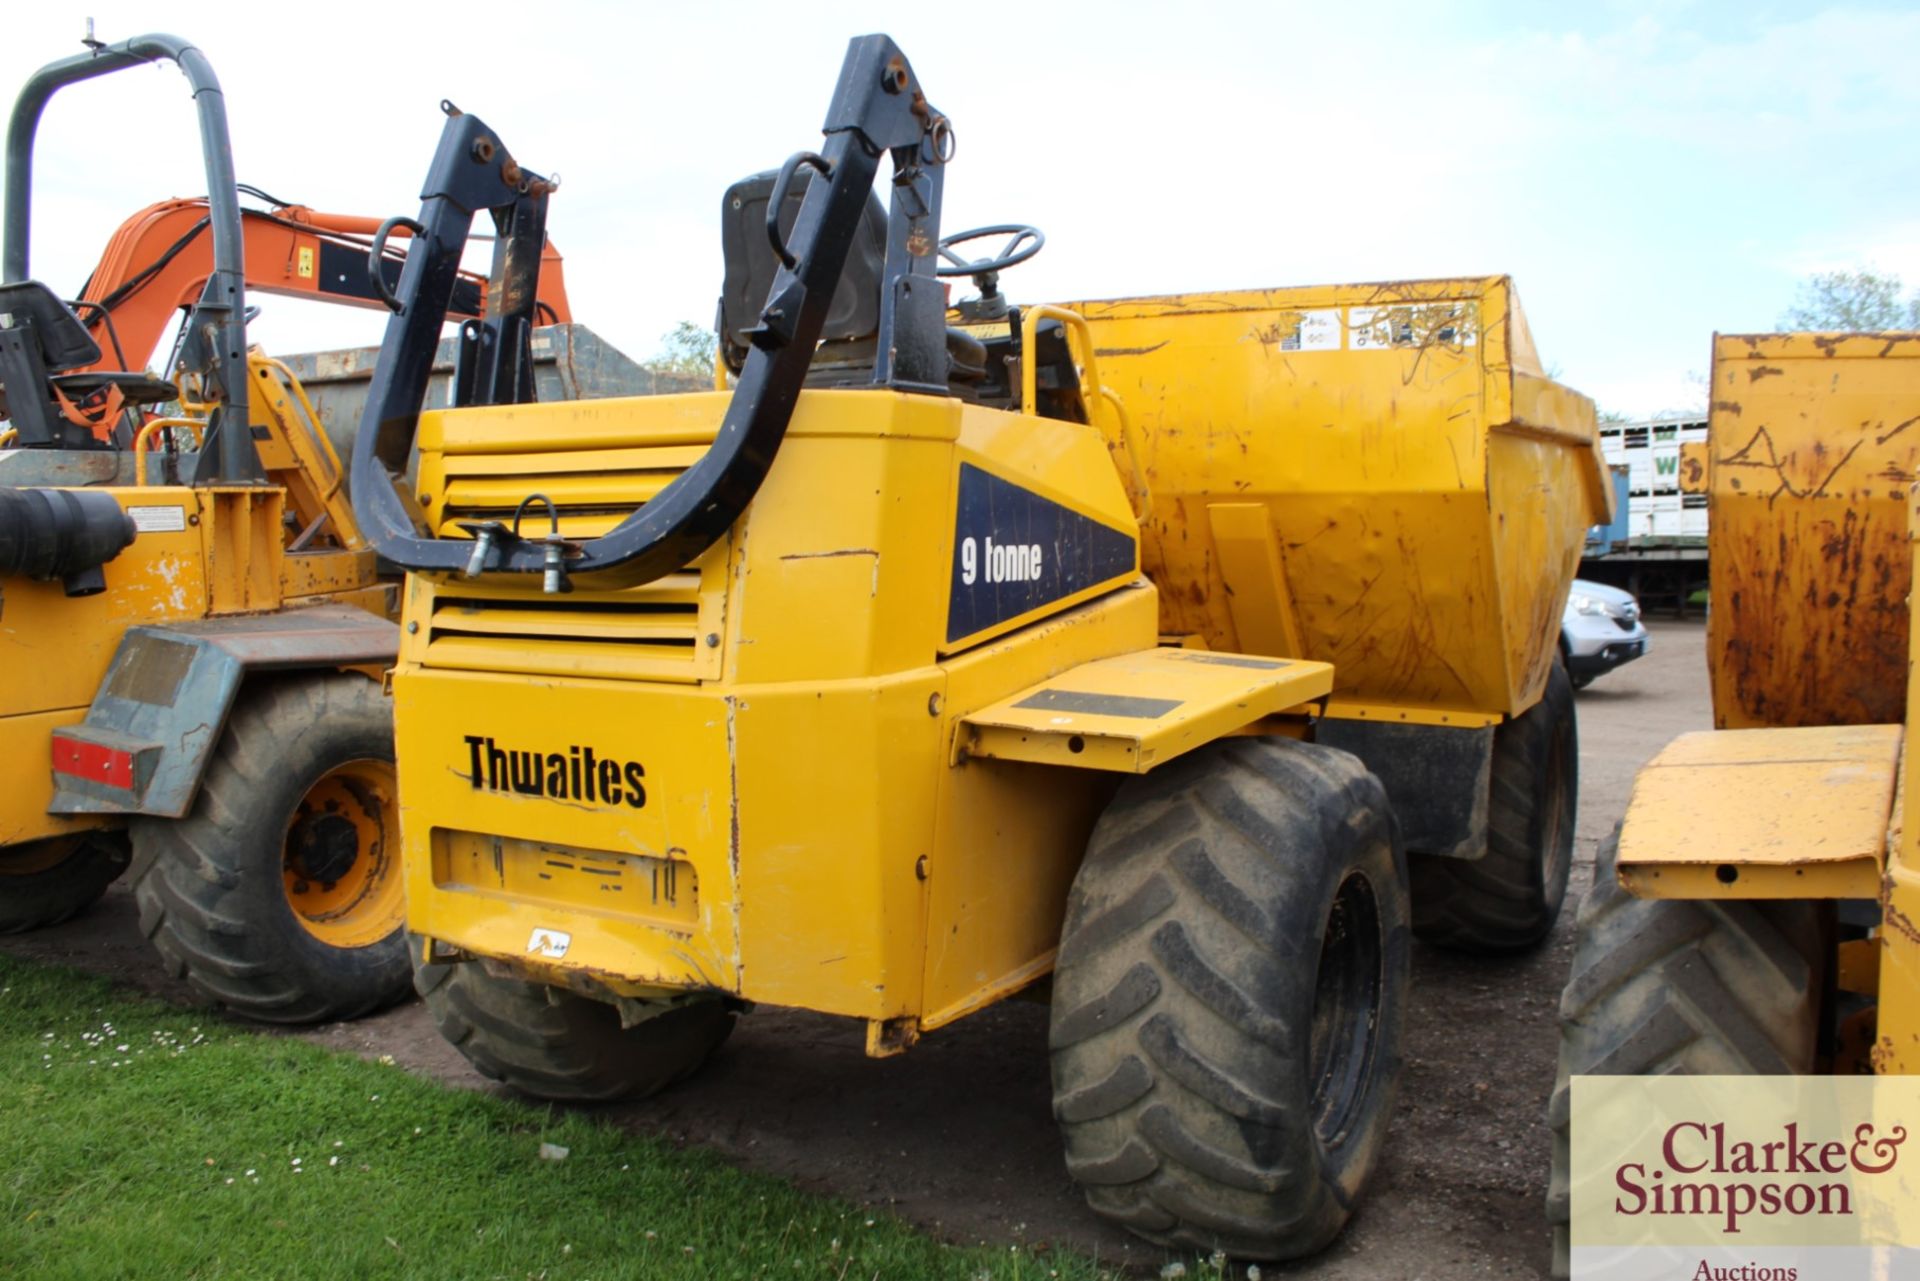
<point>956,1136</point>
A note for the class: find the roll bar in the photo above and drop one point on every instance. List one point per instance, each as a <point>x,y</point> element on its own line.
<point>877,107</point>
<point>216,340</point>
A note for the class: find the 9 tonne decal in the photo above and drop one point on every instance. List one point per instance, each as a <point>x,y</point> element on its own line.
<point>1015,552</point>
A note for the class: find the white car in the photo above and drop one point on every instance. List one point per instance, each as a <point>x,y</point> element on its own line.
<point>1600,630</point>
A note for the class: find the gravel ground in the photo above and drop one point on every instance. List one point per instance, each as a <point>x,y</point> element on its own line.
<point>956,1136</point>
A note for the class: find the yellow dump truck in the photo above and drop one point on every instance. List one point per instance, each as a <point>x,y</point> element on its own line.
<point>1755,912</point>
<point>948,655</point>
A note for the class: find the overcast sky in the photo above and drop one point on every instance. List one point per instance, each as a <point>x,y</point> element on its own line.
<point>1647,174</point>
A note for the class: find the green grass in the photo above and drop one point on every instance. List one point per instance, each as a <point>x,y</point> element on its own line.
<point>140,1140</point>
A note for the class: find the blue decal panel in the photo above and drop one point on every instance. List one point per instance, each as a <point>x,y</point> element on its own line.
<point>1014,552</point>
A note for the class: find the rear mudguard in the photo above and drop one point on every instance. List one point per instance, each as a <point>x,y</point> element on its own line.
<point>153,725</point>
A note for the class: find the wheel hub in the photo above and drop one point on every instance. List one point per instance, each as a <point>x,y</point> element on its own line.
<point>1347,996</point>
<point>322,847</point>
<point>341,859</point>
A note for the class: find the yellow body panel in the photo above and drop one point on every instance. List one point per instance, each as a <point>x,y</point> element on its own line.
<point>1896,1046</point>
<point>58,648</point>
<point>794,718</point>
<point>23,806</point>
<point>1427,486</point>
<point>1743,814</point>
<point>1813,441</point>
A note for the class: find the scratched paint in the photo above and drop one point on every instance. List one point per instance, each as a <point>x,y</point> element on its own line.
<point>1429,487</point>
<point>1812,445</point>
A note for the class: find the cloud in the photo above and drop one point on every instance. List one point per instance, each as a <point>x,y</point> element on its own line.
<point>1871,244</point>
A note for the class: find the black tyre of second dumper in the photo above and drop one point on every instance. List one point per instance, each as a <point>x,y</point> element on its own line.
<point>1665,986</point>
<point>1509,898</point>
<point>1227,1007</point>
<point>555,1044</point>
<point>214,895</point>
<point>48,881</point>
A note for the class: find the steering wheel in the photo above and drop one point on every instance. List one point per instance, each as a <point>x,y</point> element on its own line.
<point>1022,243</point>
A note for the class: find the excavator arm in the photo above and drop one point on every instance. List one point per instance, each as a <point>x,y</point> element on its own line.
<point>158,262</point>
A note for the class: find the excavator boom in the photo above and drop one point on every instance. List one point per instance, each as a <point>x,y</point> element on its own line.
<point>158,262</point>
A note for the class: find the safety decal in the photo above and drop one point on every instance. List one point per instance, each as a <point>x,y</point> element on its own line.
<point>1014,551</point>
<point>552,944</point>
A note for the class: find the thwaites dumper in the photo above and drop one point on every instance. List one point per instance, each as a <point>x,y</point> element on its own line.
<point>846,690</point>
<point>1755,913</point>
<point>196,635</point>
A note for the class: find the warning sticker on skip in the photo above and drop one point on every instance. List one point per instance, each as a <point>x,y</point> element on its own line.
<point>549,943</point>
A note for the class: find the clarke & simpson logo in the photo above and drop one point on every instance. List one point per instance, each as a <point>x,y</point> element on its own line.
<point>1702,1171</point>
<point>1743,1178</point>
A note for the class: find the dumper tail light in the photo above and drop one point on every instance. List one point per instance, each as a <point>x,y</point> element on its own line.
<point>94,762</point>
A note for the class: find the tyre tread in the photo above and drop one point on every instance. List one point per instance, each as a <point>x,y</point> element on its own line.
<point>1177,959</point>
<point>210,897</point>
<point>1664,986</point>
<point>1505,900</point>
<point>561,1046</point>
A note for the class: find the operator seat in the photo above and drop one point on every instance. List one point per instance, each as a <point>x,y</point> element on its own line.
<point>848,340</point>
<point>40,336</point>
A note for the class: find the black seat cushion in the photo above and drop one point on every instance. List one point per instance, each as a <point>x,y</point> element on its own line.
<point>751,265</point>
<point>64,341</point>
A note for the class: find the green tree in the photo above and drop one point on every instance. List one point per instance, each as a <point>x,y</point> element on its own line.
<point>1851,301</point>
<point>686,349</point>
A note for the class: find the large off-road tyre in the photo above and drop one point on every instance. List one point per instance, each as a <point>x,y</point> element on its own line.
<point>555,1044</point>
<point>1509,898</point>
<point>48,881</point>
<point>1228,1002</point>
<point>279,895</point>
<point>1664,986</point>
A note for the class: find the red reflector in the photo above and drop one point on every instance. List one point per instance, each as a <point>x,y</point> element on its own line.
<point>109,765</point>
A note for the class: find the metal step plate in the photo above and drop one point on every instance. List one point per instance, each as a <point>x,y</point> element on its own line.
<point>1134,711</point>
<point>1762,813</point>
